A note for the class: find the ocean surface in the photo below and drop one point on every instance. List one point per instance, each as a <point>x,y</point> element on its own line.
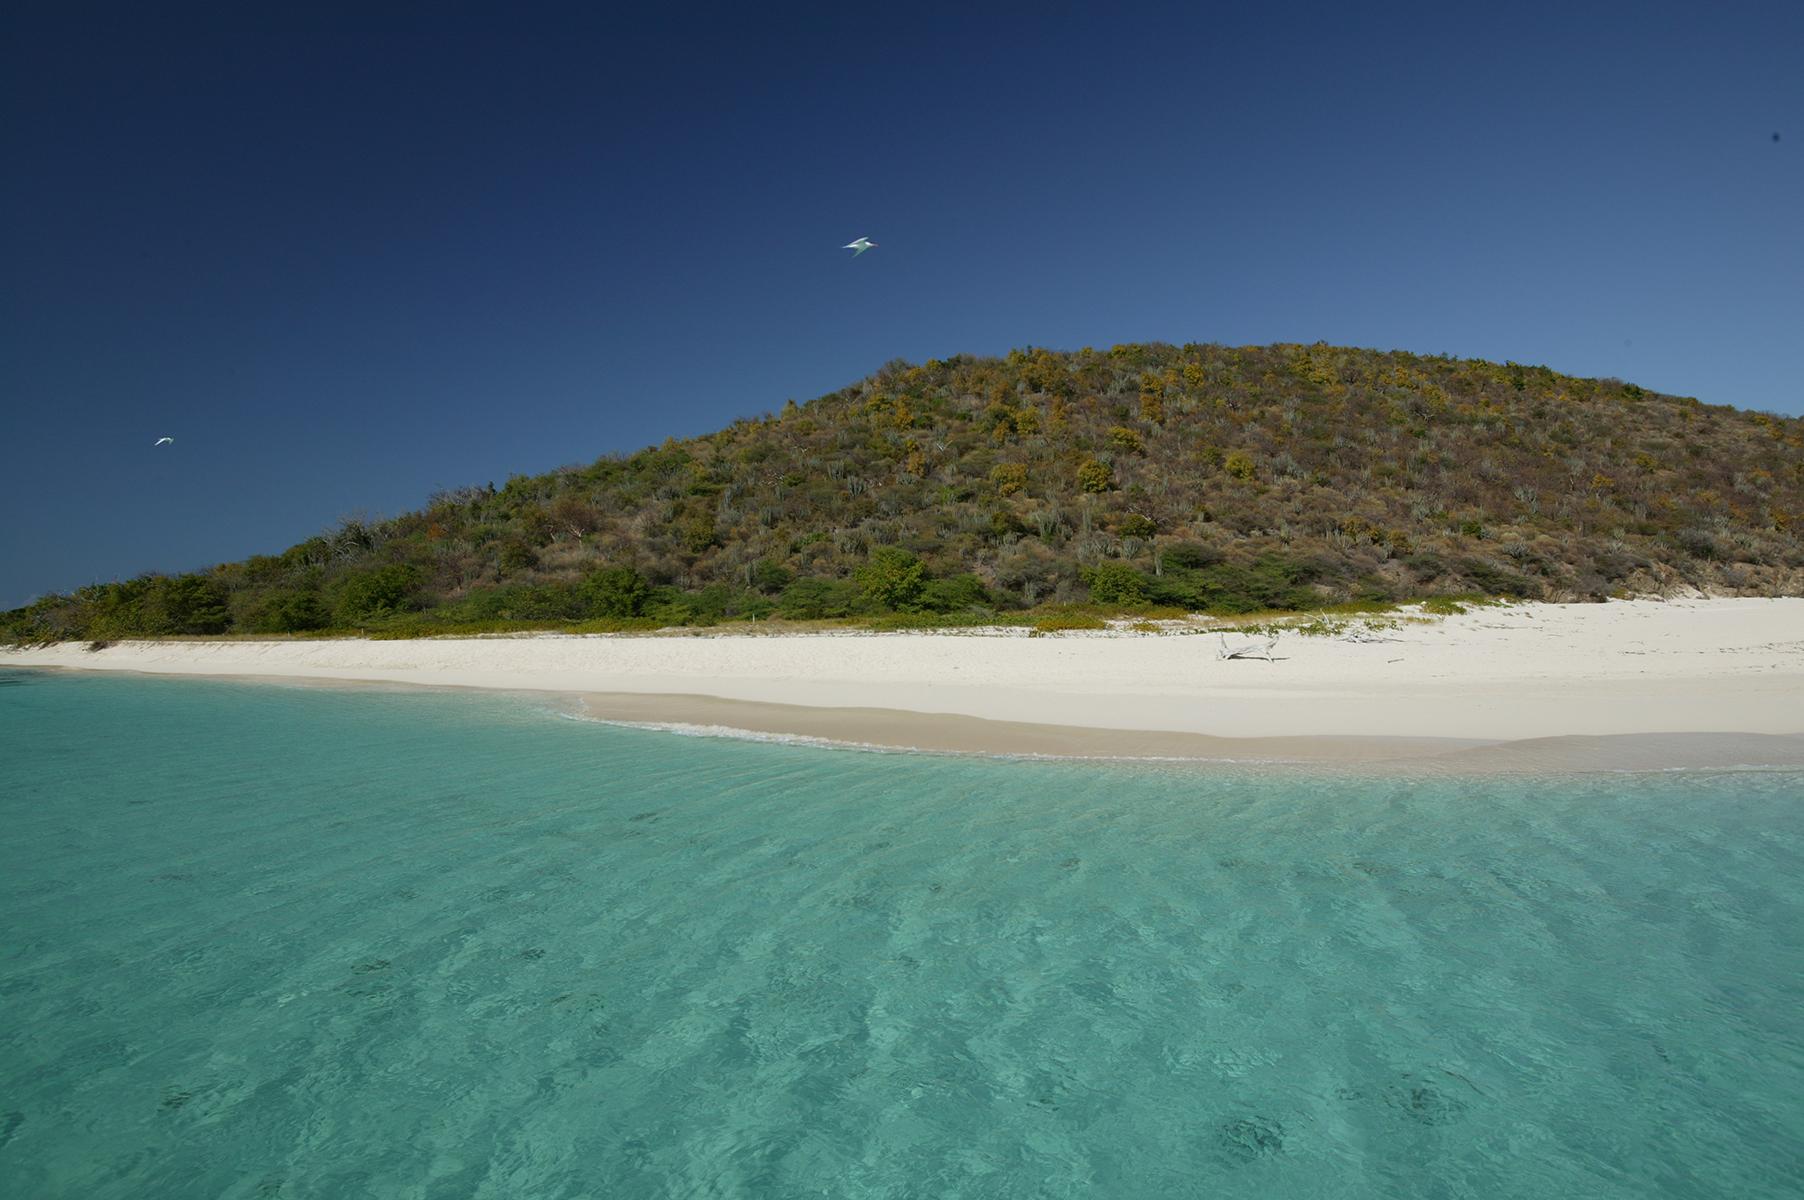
<point>266,941</point>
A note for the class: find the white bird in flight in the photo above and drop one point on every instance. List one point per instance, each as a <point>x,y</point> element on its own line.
<point>858,247</point>
<point>163,441</point>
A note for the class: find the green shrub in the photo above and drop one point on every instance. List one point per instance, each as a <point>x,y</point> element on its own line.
<point>1115,583</point>
<point>1426,565</point>
<point>519,602</point>
<point>612,592</point>
<point>817,599</point>
<point>967,619</point>
<point>1095,476</point>
<point>1135,525</point>
<point>517,556</point>
<point>1189,556</point>
<point>698,533</point>
<point>614,625</point>
<point>291,612</point>
<point>1056,622</point>
<point>1009,478</point>
<point>771,577</point>
<point>892,580</point>
<point>671,606</point>
<point>1494,580</point>
<point>709,606</point>
<point>104,610</point>
<point>953,594</point>
<point>1268,584</point>
<point>187,604</point>
<point>376,593</point>
<point>1698,543</point>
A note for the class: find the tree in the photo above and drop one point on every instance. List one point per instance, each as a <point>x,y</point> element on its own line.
<point>955,593</point>
<point>892,580</point>
<point>291,612</point>
<point>1190,556</point>
<point>1009,478</point>
<point>377,593</point>
<point>613,592</point>
<point>771,577</point>
<point>1116,583</point>
<point>574,515</point>
<point>186,604</point>
<point>1095,476</point>
<point>697,533</point>
<point>516,556</point>
<point>816,599</point>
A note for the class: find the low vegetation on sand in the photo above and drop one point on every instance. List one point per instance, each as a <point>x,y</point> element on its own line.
<point>1197,478</point>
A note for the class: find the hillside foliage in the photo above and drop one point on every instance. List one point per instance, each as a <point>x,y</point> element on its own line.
<point>1203,477</point>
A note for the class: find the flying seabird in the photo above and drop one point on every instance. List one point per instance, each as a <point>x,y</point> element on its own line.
<point>858,247</point>
<point>163,441</point>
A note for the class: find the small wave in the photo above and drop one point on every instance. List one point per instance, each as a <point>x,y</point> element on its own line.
<point>1406,768</point>
<point>1714,769</point>
<point>732,733</point>
<point>690,729</point>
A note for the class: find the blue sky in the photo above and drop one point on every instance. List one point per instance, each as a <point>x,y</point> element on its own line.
<point>347,262</point>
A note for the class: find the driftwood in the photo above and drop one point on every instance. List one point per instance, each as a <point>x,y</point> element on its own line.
<point>1247,649</point>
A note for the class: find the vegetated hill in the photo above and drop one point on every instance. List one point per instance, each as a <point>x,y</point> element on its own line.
<point>1205,477</point>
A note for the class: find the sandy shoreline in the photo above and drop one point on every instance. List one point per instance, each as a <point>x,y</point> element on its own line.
<point>1560,676</point>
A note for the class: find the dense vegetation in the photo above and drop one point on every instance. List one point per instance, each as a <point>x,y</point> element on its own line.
<point>1203,477</point>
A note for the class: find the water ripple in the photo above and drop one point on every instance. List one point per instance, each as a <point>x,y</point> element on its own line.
<point>281,942</point>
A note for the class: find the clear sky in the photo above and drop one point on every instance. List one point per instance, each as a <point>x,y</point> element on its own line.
<point>347,262</point>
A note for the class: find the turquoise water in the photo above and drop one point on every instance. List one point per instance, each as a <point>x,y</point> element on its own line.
<point>260,941</point>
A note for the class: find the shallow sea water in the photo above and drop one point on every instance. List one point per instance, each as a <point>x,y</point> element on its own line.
<point>262,941</point>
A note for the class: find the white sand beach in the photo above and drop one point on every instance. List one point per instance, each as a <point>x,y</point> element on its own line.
<point>1489,675</point>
